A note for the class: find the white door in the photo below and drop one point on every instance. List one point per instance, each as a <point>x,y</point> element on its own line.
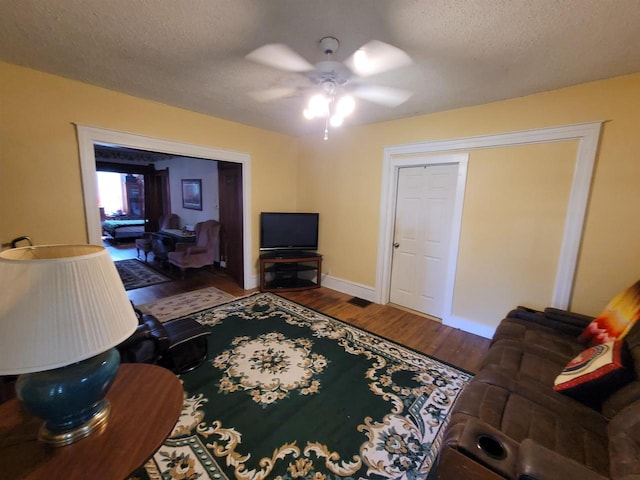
<point>422,237</point>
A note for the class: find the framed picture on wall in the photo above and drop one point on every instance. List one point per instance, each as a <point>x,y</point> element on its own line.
<point>192,194</point>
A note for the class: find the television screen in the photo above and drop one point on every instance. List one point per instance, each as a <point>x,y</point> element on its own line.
<point>288,231</point>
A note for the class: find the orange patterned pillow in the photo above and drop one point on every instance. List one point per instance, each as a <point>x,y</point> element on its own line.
<point>595,374</point>
<point>616,320</point>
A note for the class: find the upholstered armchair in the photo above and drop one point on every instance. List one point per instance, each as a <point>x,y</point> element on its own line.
<point>188,255</point>
<point>169,222</point>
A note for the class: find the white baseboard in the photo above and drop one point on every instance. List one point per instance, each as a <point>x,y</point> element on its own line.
<point>368,293</point>
<point>350,288</point>
<point>470,326</point>
<point>334,283</point>
<point>253,282</point>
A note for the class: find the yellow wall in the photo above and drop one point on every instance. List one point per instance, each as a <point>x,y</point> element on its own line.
<point>341,178</point>
<point>514,213</point>
<point>41,191</point>
<point>40,183</point>
<point>343,185</point>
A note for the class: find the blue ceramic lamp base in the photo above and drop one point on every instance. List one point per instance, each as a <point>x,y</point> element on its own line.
<point>67,437</point>
<point>70,399</point>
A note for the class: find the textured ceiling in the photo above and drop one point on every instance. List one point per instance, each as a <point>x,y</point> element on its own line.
<point>190,53</point>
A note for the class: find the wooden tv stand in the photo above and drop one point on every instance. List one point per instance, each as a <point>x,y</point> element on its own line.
<point>288,272</point>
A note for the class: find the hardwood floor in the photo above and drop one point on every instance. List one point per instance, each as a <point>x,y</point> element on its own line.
<point>454,346</point>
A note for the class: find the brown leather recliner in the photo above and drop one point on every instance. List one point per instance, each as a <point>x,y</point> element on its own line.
<point>511,423</point>
<point>179,345</point>
<point>188,255</point>
<point>148,343</point>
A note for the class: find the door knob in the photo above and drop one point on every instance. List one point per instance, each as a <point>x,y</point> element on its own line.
<point>396,245</point>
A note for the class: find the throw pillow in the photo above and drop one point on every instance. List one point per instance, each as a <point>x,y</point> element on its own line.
<point>617,318</point>
<point>595,373</point>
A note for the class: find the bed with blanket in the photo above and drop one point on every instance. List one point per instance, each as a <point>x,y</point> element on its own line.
<point>123,229</point>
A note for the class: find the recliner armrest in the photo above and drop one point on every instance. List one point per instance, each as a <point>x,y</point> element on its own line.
<point>157,332</point>
<point>148,342</point>
<point>142,332</point>
<point>488,446</point>
<point>536,462</point>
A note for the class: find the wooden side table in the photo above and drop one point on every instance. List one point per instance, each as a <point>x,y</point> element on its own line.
<point>146,401</point>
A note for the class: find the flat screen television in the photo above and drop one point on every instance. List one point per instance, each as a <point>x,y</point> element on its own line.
<point>281,231</point>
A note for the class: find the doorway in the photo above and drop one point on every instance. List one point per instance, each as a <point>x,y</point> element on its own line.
<point>395,157</point>
<point>89,136</point>
<point>424,220</point>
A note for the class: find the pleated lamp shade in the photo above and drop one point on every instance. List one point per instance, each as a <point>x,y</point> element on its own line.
<point>60,304</point>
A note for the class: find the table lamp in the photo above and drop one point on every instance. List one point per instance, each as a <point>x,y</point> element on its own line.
<point>62,311</point>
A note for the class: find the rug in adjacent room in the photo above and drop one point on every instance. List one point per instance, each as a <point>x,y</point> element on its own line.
<point>290,393</point>
<point>135,274</point>
<point>179,305</point>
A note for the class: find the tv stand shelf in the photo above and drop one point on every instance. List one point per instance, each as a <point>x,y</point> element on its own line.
<point>287,272</point>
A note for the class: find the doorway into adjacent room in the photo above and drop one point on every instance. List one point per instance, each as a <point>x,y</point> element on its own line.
<point>422,233</point>
<point>89,137</point>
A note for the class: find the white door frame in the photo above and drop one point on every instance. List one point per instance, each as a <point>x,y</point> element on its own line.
<point>461,159</point>
<point>88,136</point>
<point>395,157</point>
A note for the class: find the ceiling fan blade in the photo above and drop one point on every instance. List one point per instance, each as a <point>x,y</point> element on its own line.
<point>279,56</point>
<point>387,96</point>
<point>270,94</point>
<point>376,57</point>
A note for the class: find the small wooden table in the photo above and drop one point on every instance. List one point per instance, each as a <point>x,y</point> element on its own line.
<point>146,401</point>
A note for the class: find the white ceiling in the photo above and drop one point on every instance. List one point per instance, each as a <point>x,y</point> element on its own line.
<point>190,53</point>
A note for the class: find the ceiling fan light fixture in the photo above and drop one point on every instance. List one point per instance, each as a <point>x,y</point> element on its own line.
<point>345,106</point>
<point>336,120</point>
<point>318,106</point>
<point>330,77</point>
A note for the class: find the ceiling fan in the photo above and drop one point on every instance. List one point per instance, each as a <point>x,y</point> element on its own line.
<point>331,77</point>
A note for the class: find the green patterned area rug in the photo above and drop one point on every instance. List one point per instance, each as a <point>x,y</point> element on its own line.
<point>135,274</point>
<point>289,393</point>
